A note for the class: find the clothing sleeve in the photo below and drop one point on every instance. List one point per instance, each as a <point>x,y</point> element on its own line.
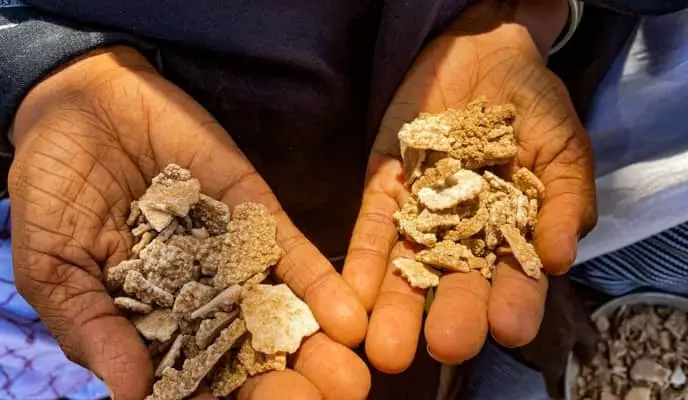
<point>33,43</point>
<point>640,7</point>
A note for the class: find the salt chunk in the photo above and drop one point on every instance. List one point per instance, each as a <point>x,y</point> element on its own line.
<point>211,215</point>
<point>114,276</point>
<point>447,255</point>
<point>437,174</point>
<point>138,286</point>
<point>192,296</point>
<point>134,213</point>
<point>256,362</point>
<point>222,302</point>
<point>405,219</point>
<point>524,252</point>
<point>528,183</point>
<point>171,356</point>
<point>145,240</point>
<point>177,385</point>
<point>648,370</point>
<point>229,376</point>
<point>277,319</point>
<point>463,186</point>
<point>417,274</point>
<point>158,325</point>
<point>172,193</point>
<point>256,279</point>
<point>678,377</point>
<point>639,393</point>
<point>133,305</point>
<point>252,243</point>
<point>168,266</point>
<point>210,328</point>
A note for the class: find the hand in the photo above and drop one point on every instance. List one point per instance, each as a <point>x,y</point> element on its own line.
<point>484,53</point>
<point>89,139</point>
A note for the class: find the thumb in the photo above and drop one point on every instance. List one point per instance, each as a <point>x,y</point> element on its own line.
<point>569,209</point>
<point>80,314</point>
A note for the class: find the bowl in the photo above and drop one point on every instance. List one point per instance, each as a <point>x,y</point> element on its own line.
<point>607,310</point>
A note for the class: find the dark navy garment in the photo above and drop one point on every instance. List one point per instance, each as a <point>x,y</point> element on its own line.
<point>300,85</point>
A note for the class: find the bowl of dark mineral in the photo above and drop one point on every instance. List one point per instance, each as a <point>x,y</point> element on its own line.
<point>642,353</point>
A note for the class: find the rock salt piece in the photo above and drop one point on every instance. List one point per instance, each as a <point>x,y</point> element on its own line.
<point>648,370</point>
<point>500,184</point>
<point>428,221</point>
<point>229,376</point>
<point>533,208</point>
<point>602,324</point>
<point>189,244</point>
<point>210,328</point>
<point>189,347</point>
<point>437,174</point>
<point>405,219</point>
<point>447,255</point>
<point>134,213</point>
<point>213,253</point>
<point>476,246</point>
<point>222,302</point>
<point>145,240</point>
<point>678,377</point>
<point>115,276</point>
<point>639,393</point>
<point>139,287</point>
<point>156,348</point>
<point>463,186</point>
<point>676,324</point>
<point>427,132</point>
<point>141,229</point>
<point>417,274</point>
<point>177,385</point>
<point>188,327</point>
<point>528,183</point>
<point>252,242</point>
<point>210,214</point>
<point>167,233</point>
<point>256,279</point>
<point>412,162</point>
<point>468,227</point>
<point>171,356</point>
<point>523,251</point>
<point>159,325</point>
<point>521,208</point>
<point>277,319</point>
<point>608,395</point>
<point>168,266</point>
<point>200,233</point>
<point>133,305</point>
<point>192,296</point>
<point>172,193</point>
<point>256,362</point>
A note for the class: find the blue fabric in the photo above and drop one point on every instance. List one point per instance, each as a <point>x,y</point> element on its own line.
<point>32,366</point>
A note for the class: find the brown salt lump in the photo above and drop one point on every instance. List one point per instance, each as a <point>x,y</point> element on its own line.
<point>524,252</point>
<point>115,275</point>
<point>437,174</point>
<point>460,187</point>
<point>134,213</point>
<point>476,246</point>
<point>168,266</point>
<point>405,219</point>
<point>176,385</point>
<point>211,214</point>
<point>471,226</point>
<point>158,325</point>
<point>213,253</point>
<point>133,305</point>
<point>145,240</point>
<point>447,255</point>
<point>171,356</point>
<point>141,229</point>
<point>529,183</point>
<point>172,193</point>
<point>139,287</point>
<point>429,221</point>
<point>256,362</point>
<point>417,274</point>
<point>192,296</point>
<point>222,302</point>
<point>211,327</point>
<point>252,242</point>
<point>189,244</point>
<point>256,279</point>
<point>229,376</point>
<point>277,319</point>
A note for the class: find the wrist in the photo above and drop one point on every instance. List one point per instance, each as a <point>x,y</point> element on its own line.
<point>75,83</point>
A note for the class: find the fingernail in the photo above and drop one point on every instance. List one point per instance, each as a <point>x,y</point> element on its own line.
<point>110,392</point>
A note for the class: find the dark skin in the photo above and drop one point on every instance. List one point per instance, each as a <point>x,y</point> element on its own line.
<point>90,137</point>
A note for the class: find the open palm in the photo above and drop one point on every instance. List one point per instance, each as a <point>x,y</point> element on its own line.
<point>482,55</point>
<point>89,140</point>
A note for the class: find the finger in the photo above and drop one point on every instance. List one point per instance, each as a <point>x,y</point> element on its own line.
<point>568,211</point>
<point>333,368</point>
<point>456,327</point>
<point>82,317</point>
<point>375,233</point>
<point>235,181</point>
<point>516,305</point>
<point>286,384</point>
<point>395,323</point>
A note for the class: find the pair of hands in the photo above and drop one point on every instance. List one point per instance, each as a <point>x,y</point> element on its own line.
<point>90,137</point>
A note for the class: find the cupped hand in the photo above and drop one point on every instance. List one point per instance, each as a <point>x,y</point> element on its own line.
<point>88,140</point>
<point>484,53</point>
